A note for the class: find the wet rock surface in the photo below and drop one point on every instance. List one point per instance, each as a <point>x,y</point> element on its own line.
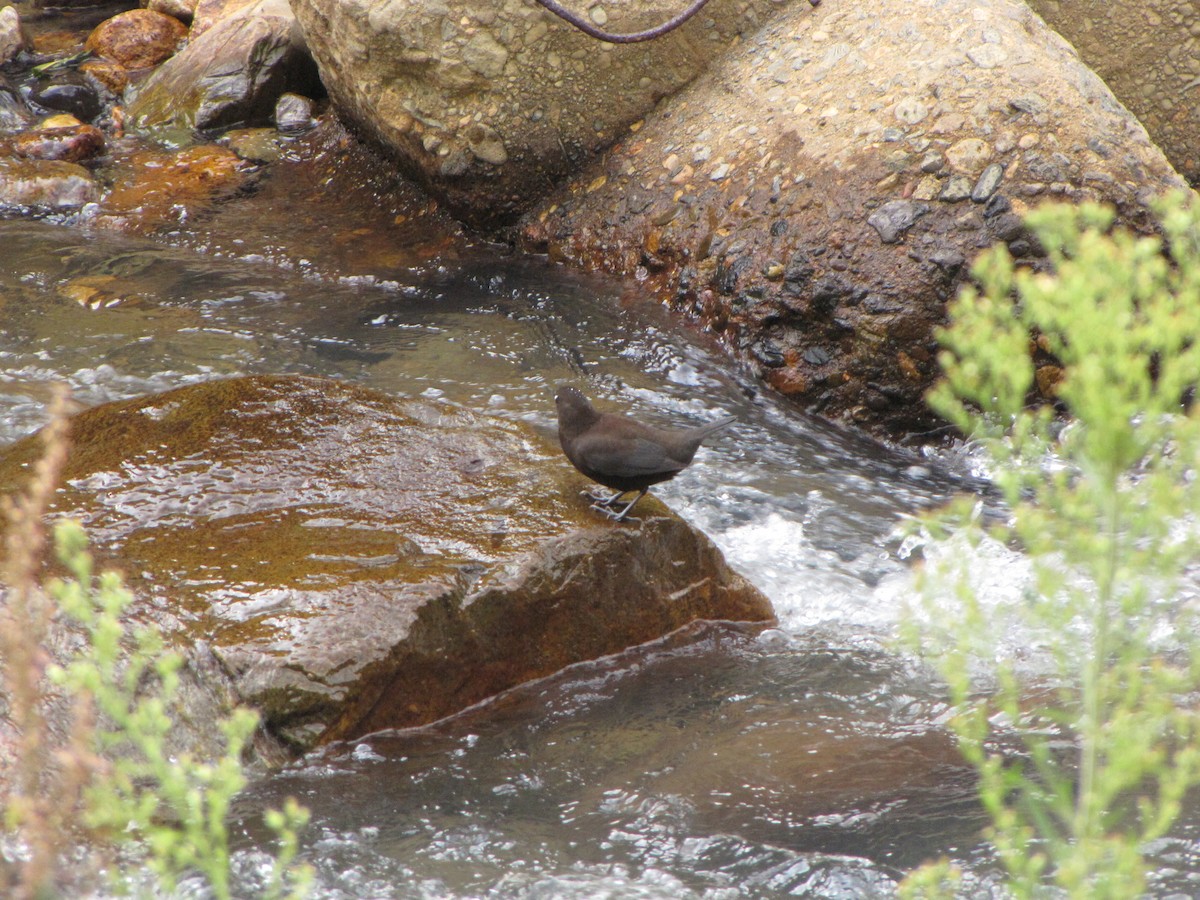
<point>348,562</point>
<point>13,38</point>
<point>817,197</point>
<point>45,184</point>
<point>69,93</point>
<point>63,100</point>
<point>72,143</point>
<point>489,106</point>
<point>14,112</point>
<point>815,201</point>
<point>153,186</point>
<point>232,74</point>
<point>137,39</point>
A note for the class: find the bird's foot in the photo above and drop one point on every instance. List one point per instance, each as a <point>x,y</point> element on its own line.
<point>617,515</point>
<point>608,505</point>
<point>623,515</point>
<point>599,501</point>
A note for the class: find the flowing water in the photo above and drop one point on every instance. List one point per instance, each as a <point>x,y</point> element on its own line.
<point>810,760</point>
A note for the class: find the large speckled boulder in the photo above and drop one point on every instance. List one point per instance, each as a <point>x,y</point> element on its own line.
<point>490,104</point>
<point>818,196</point>
<point>1148,52</point>
<point>346,562</point>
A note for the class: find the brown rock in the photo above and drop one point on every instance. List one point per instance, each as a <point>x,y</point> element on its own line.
<point>152,188</point>
<point>113,76</point>
<point>233,74</point>
<point>788,380</point>
<point>51,184</point>
<point>137,38</point>
<point>72,143</point>
<point>353,562</point>
<point>1049,377</point>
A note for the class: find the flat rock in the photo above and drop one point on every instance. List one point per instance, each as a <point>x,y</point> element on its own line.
<point>488,105</point>
<point>351,562</point>
<point>869,142</point>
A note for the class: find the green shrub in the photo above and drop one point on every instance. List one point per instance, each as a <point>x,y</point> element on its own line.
<point>102,775</point>
<point>176,805</point>
<point>1101,495</point>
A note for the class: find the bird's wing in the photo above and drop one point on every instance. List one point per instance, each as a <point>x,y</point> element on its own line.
<point>628,456</point>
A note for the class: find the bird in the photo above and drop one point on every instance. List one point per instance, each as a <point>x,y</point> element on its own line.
<point>622,453</point>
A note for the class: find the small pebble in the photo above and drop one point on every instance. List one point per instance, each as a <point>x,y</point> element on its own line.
<point>988,182</point>
<point>932,162</point>
<point>957,187</point>
<point>293,113</point>
<point>894,218</point>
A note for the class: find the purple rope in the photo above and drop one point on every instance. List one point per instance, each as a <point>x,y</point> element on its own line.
<point>649,34</point>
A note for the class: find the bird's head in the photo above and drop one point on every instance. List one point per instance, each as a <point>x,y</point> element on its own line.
<point>572,404</point>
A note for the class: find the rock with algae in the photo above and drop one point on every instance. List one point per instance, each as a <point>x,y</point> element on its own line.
<point>346,562</point>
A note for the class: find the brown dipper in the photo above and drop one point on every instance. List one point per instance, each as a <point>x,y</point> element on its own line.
<point>621,453</point>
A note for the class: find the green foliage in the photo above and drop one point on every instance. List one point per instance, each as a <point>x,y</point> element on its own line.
<point>1103,500</point>
<point>176,806</point>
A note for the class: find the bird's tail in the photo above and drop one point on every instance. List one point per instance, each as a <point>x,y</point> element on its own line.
<point>705,430</point>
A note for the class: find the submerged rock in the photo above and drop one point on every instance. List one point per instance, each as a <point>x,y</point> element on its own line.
<point>872,144</point>
<point>151,189</point>
<point>351,562</point>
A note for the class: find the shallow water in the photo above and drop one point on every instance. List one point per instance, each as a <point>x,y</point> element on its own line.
<point>808,760</point>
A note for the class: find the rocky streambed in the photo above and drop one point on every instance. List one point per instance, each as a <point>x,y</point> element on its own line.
<point>319,441</point>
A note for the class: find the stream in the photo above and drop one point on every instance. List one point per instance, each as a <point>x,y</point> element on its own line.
<point>809,760</point>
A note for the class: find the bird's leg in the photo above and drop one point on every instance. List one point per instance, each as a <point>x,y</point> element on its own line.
<point>621,516</point>
<point>599,501</point>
